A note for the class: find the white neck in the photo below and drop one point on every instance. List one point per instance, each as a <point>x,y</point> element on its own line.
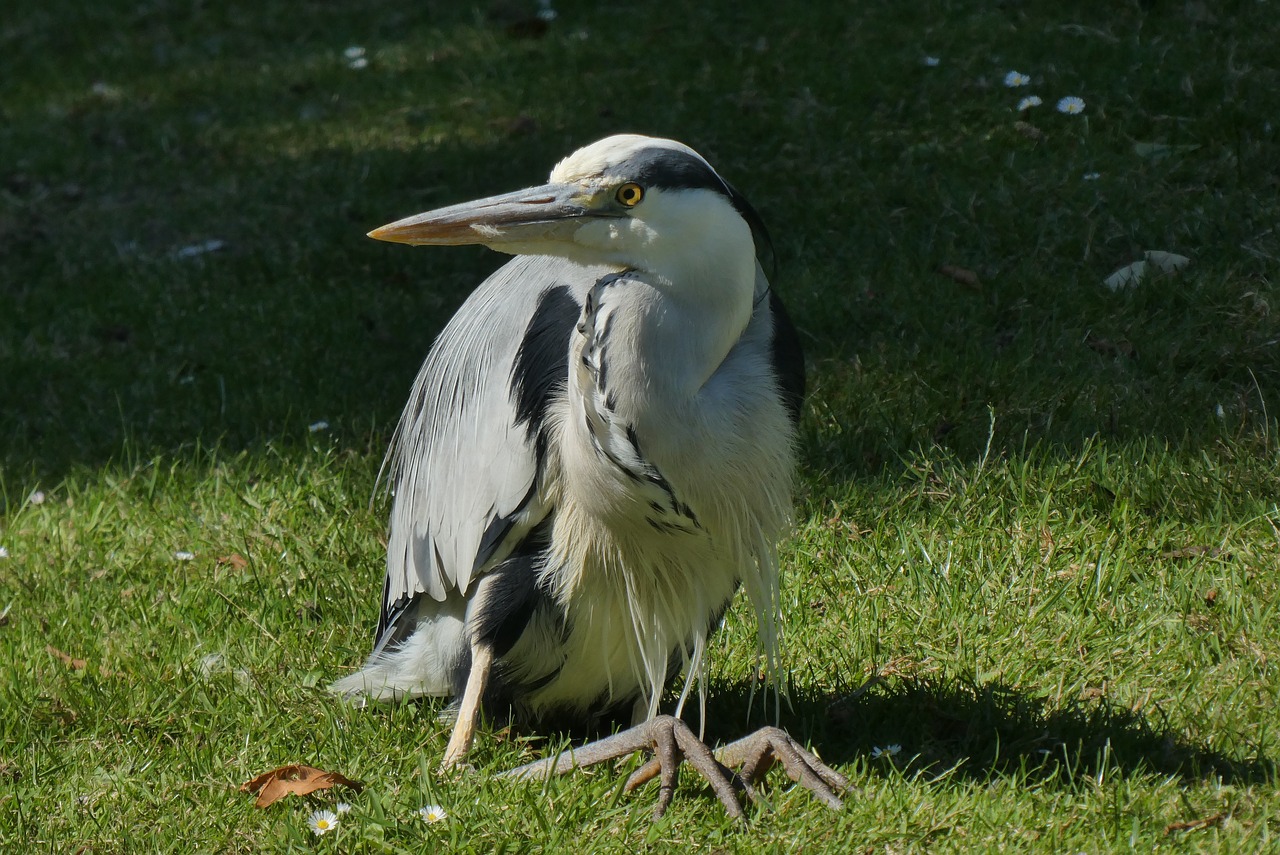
<point>690,298</point>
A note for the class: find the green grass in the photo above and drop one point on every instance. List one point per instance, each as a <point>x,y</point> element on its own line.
<point>1038,537</point>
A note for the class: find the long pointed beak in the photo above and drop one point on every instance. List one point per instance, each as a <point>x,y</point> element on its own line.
<point>523,217</point>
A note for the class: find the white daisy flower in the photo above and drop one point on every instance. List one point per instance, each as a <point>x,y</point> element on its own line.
<point>353,52</point>
<point>342,807</point>
<point>1029,102</point>
<point>888,751</point>
<point>1071,105</point>
<point>432,813</point>
<point>322,822</point>
<point>932,61</point>
<point>359,63</point>
<point>316,427</point>
<point>1015,79</point>
<point>4,552</point>
<point>1091,176</point>
<point>183,555</point>
<point>37,497</point>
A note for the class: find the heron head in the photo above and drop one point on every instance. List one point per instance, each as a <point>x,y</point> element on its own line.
<point>627,200</point>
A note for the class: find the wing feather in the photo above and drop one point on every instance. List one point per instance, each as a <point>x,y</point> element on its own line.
<point>464,462</point>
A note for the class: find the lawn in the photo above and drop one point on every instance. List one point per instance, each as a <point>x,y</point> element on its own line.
<point>1032,602</point>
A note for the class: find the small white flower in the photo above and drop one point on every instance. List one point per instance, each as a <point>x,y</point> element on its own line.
<point>1091,176</point>
<point>932,61</point>
<point>1219,412</point>
<point>322,822</point>
<point>342,807</point>
<point>432,813</point>
<point>358,63</point>
<point>1071,105</point>
<point>37,497</point>
<point>1015,79</point>
<point>4,552</point>
<point>1029,102</point>
<point>545,12</point>
<point>353,52</point>
<point>886,752</point>
<point>316,427</point>
<point>184,555</point>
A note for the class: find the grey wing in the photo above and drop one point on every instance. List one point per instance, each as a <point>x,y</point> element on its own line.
<point>465,461</point>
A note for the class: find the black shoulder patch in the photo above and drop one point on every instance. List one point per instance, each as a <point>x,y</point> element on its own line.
<point>787,357</point>
<point>542,362</point>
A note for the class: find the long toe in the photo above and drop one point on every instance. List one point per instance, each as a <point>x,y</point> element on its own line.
<point>754,755</point>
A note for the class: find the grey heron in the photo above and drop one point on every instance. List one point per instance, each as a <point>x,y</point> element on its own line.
<point>597,453</point>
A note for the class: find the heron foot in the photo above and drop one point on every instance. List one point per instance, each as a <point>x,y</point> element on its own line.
<point>671,741</point>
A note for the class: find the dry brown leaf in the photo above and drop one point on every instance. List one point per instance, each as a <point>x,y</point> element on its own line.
<point>1155,259</point>
<point>67,659</point>
<point>235,559</point>
<point>299,780</point>
<point>1029,131</point>
<point>1127,276</point>
<point>967,278</point>
<point>1166,262</point>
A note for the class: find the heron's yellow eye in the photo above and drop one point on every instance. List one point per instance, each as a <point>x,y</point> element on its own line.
<point>629,194</point>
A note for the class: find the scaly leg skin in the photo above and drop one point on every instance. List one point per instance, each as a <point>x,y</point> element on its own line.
<point>671,740</point>
<point>464,729</point>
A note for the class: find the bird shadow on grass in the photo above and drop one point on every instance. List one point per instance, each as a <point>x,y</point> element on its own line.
<point>980,732</point>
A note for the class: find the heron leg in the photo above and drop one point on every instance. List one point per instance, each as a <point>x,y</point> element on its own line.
<point>464,729</point>
<point>671,741</point>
